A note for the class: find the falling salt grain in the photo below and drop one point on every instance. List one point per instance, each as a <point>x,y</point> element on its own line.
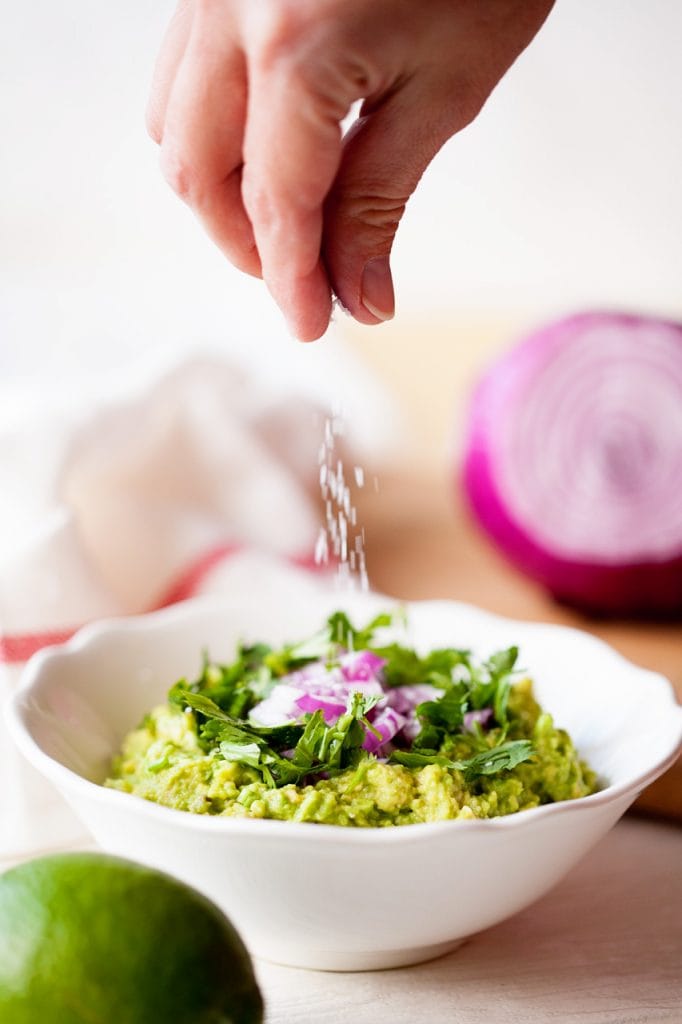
<point>340,536</point>
<point>322,548</point>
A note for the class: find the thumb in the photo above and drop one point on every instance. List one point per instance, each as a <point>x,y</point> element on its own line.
<point>384,156</point>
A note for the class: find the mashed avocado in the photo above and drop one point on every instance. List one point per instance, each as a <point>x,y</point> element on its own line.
<point>337,735</point>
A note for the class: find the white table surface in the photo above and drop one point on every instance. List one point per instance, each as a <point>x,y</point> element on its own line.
<point>604,947</point>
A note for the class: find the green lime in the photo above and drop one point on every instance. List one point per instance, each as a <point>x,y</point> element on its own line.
<point>85,937</point>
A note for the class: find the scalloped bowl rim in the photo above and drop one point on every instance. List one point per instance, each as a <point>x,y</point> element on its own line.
<point>18,709</point>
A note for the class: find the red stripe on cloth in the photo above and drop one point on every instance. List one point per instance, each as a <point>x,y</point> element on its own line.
<point>15,649</point>
<point>20,647</point>
<point>189,582</point>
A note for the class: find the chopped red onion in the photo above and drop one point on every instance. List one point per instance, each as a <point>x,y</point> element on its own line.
<point>279,707</point>
<point>332,699</point>
<point>329,690</point>
<point>313,688</point>
<point>404,699</point>
<point>331,709</point>
<point>357,665</point>
<point>482,717</point>
<point>573,461</point>
<point>388,723</point>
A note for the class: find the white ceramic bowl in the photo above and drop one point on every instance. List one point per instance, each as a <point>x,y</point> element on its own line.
<point>324,896</point>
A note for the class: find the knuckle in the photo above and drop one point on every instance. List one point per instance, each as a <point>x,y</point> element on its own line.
<point>182,176</point>
<point>468,108</point>
<point>283,29</point>
<point>466,100</point>
<point>202,7</point>
<point>257,200</point>
<point>379,212</point>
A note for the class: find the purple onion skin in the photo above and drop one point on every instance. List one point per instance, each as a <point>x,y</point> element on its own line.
<point>645,589</point>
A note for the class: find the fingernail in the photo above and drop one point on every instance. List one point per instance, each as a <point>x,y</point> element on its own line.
<point>376,288</point>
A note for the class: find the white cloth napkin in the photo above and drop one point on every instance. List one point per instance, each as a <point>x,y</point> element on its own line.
<point>134,507</point>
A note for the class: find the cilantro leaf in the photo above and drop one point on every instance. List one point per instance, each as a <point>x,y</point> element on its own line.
<point>281,737</point>
<point>236,687</point>
<point>488,762</point>
<point>342,632</point>
<point>405,667</point>
<point>446,711</point>
<point>501,758</point>
<point>490,683</point>
<point>243,753</point>
<point>316,747</point>
<point>332,748</point>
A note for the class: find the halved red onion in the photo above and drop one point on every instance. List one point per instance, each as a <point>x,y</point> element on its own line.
<point>573,461</point>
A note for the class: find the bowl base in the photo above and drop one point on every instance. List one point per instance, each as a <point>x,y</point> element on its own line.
<point>355,960</point>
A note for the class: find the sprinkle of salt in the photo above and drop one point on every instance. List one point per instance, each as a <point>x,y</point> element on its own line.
<point>340,537</point>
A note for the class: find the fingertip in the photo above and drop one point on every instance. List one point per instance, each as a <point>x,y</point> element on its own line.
<point>376,289</point>
<point>153,121</point>
<point>310,326</point>
<point>306,303</point>
<point>364,288</point>
<point>245,258</point>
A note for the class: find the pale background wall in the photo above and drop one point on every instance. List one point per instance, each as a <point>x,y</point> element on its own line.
<point>565,193</point>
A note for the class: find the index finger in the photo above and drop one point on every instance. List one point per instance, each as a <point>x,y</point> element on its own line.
<point>292,150</point>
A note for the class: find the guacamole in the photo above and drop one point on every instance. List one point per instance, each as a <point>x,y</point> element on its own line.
<point>347,729</point>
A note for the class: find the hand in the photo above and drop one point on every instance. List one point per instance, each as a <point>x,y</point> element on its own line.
<point>247,101</point>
